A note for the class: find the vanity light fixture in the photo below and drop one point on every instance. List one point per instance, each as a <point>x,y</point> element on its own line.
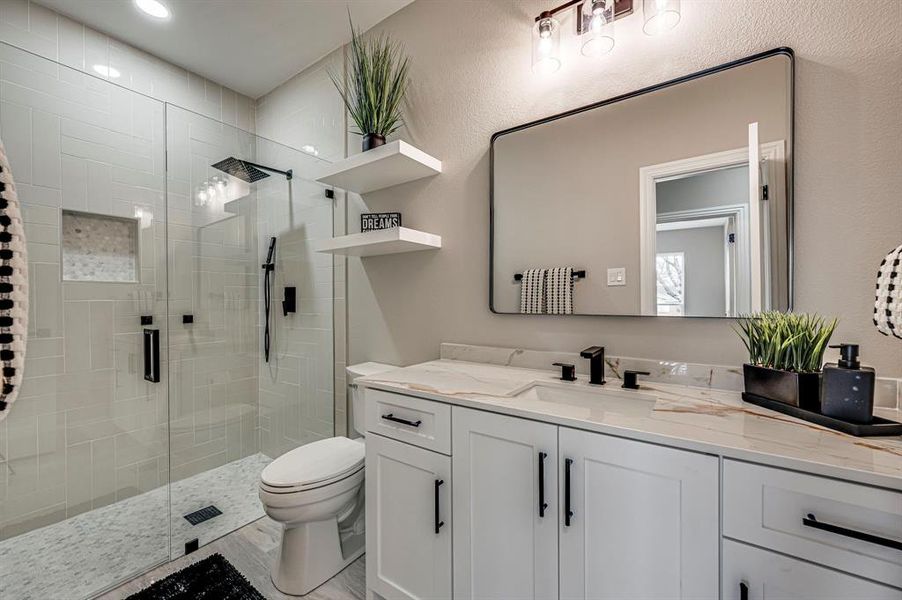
<point>660,15</point>
<point>595,20</point>
<point>600,29</point>
<point>153,8</point>
<point>546,44</point>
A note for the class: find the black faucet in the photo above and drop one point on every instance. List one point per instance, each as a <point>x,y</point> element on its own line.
<point>595,354</point>
<point>568,371</point>
<point>631,379</point>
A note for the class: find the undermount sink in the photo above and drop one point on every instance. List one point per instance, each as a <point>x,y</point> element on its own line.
<point>605,398</point>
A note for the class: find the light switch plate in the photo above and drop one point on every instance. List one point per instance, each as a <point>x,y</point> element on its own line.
<point>617,276</point>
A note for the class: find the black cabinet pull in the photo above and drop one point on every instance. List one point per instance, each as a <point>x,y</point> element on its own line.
<point>542,504</point>
<point>393,418</point>
<point>438,524</point>
<point>743,591</point>
<point>152,355</point>
<point>568,462</point>
<point>811,521</point>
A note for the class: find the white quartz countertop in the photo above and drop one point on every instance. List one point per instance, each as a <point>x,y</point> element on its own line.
<point>701,419</point>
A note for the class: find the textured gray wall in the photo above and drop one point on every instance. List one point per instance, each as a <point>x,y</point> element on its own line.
<point>471,77</point>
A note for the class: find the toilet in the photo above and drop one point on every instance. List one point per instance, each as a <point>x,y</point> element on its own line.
<point>316,493</point>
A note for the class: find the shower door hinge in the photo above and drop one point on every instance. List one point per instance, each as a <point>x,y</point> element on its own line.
<point>732,238</point>
<point>765,194</point>
<point>330,193</point>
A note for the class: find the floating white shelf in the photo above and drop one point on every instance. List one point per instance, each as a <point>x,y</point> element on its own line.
<point>392,164</point>
<point>385,241</point>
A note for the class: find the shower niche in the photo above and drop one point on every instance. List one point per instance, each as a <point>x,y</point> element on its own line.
<point>99,248</point>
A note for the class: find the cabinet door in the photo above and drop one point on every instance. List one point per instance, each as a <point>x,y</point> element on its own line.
<point>408,521</point>
<point>750,573</point>
<point>505,543</point>
<point>644,521</point>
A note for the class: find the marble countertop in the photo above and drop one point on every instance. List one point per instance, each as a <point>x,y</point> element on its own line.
<point>701,419</point>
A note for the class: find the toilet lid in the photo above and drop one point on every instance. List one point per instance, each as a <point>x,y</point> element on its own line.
<point>317,462</point>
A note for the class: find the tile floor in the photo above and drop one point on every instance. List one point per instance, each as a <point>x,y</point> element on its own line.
<point>251,550</point>
<point>97,549</point>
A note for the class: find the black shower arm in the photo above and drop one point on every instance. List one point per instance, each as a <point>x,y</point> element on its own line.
<point>287,173</point>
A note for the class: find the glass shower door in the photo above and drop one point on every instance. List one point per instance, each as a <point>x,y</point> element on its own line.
<point>225,399</point>
<point>84,450</point>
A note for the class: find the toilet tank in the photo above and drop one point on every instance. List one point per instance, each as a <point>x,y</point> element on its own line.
<point>355,393</point>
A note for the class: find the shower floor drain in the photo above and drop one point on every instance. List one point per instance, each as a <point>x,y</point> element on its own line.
<point>204,514</point>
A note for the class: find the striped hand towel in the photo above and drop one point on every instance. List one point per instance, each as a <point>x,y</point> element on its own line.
<point>559,291</point>
<point>532,292</point>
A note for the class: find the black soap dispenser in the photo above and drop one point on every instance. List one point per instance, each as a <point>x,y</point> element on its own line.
<point>847,388</point>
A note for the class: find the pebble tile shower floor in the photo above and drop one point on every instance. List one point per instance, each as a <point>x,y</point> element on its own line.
<point>121,540</point>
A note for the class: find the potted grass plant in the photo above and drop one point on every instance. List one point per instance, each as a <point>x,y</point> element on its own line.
<point>377,80</point>
<point>786,352</point>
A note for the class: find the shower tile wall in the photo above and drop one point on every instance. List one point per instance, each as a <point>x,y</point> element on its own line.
<point>213,277</point>
<point>296,393</point>
<point>87,430</point>
<point>306,112</point>
<point>44,32</point>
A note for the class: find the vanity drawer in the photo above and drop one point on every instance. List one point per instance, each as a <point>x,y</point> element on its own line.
<point>816,519</point>
<point>423,423</point>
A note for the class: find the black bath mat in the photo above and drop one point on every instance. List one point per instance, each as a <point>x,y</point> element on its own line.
<point>212,578</point>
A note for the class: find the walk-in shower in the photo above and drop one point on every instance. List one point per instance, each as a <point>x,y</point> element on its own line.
<point>135,222</point>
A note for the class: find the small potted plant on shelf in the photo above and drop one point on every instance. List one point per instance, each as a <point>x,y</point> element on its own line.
<point>375,87</point>
<point>786,352</point>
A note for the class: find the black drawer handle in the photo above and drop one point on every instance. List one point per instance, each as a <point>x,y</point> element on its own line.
<point>811,521</point>
<point>542,504</point>
<point>394,419</point>
<point>743,591</point>
<point>568,513</point>
<point>438,523</point>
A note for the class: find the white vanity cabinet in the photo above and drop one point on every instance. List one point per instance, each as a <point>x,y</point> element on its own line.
<point>644,522</point>
<point>408,521</point>
<point>548,512</point>
<point>505,543</point>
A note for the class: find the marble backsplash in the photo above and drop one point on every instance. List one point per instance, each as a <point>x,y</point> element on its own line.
<point>888,392</point>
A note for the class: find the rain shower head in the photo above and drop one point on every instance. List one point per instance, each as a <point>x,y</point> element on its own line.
<point>246,170</point>
<point>241,169</point>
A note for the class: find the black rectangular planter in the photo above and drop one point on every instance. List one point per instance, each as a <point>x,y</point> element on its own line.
<point>795,389</point>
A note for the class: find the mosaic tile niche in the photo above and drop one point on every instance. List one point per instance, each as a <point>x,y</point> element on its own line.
<point>99,248</point>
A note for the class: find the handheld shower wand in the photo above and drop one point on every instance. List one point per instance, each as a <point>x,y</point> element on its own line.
<point>268,267</point>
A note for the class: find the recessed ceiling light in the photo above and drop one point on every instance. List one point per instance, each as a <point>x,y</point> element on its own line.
<point>107,71</point>
<point>154,8</point>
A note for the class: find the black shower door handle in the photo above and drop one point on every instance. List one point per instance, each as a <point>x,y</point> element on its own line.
<point>542,504</point>
<point>438,523</point>
<point>743,591</point>
<point>568,513</point>
<point>152,355</point>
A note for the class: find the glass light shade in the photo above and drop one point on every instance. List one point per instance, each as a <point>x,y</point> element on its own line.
<point>546,46</point>
<point>600,36</point>
<point>660,15</point>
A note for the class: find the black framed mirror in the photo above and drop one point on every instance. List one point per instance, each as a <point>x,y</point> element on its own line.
<point>673,200</point>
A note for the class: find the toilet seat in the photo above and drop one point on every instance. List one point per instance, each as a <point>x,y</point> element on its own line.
<point>314,465</point>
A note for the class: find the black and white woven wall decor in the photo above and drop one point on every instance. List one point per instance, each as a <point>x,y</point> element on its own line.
<point>13,289</point>
<point>888,303</point>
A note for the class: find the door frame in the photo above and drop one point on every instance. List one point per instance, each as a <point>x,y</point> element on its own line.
<point>730,218</point>
<point>772,152</point>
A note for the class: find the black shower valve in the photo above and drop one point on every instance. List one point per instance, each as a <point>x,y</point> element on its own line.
<point>289,304</point>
